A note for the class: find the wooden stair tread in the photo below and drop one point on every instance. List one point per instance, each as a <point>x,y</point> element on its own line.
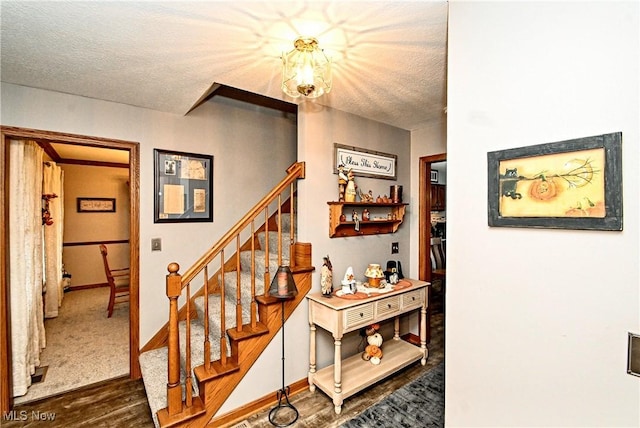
<point>197,408</point>
<point>217,370</point>
<point>247,331</point>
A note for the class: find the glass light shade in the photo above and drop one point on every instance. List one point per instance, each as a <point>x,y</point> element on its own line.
<point>306,70</point>
<point>283,286</point>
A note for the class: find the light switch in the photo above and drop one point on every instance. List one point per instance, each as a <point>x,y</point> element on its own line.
<point>156,244</point>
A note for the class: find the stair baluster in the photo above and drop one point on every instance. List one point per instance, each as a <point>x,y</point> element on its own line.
<point>207,342</point>
<point>174,392</point>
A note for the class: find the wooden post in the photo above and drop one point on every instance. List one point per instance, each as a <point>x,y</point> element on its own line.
<point>174,392</point>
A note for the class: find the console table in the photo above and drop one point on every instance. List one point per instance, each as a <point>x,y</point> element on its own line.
<point>339,316</point>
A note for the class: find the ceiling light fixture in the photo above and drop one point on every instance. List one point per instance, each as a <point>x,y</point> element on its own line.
<point>306,70</point>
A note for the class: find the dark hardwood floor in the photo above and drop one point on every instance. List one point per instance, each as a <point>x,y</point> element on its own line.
<point>123,403</point>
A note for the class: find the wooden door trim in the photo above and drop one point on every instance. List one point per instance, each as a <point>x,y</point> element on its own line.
<point>6,132</point>
<point>424,226</point>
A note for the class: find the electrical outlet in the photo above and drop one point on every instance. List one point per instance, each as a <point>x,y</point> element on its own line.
<point>395,248</point>
<point>156,244</point>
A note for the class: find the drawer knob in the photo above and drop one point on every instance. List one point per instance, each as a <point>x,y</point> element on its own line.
<point>413,298</point>
<point>361,314</point>
<point>389,305</point>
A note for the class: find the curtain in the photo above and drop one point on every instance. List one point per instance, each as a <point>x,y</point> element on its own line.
<point>26,261</point>
<point>54,285</point>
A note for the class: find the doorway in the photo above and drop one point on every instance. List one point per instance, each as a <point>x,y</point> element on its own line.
<point>425,227</point>
<point>47,137</point>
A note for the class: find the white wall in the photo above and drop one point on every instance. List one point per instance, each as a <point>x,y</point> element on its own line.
<point>537,320</point>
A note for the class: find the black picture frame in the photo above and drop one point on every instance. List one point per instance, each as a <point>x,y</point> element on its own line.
<point>183,187</point>
<point>505,187</point>
<point>96,205</point>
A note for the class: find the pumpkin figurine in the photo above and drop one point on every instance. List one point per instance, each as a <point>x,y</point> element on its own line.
<point>373,351</point>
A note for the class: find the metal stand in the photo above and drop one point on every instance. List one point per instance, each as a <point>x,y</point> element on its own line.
<point>283,394</point>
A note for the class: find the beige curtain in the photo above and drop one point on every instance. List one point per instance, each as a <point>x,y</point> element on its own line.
<point>52,184</point>
<point>26,261</point>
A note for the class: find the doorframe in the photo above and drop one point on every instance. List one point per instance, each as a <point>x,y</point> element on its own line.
<point>6,133</point>
<point>424,226</point>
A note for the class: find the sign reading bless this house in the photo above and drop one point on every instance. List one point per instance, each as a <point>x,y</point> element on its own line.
<point>365,163</point>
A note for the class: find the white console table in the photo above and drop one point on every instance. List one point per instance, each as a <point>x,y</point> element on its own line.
<point>339,316</point>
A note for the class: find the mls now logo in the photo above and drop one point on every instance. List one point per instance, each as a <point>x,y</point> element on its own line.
<point>14,415</point>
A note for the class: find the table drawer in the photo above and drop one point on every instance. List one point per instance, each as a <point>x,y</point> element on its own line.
<point>414,299</point>
<point>358,316</point>
<point>388,305</point>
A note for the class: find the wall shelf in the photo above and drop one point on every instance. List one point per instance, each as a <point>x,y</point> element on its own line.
<point>379,222</point>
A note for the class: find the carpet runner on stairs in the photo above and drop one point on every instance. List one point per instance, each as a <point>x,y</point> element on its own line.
<point>154,363</point>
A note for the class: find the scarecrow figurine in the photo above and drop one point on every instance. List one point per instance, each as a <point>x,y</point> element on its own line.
<point>326,279</point>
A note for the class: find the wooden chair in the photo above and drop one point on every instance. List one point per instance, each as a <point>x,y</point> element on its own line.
<point>438,265</point>
<point>118,280</point>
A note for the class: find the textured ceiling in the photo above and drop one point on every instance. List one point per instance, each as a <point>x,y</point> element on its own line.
<point>389,57</point>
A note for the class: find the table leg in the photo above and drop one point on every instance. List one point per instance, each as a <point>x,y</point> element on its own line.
<point>337,375</point>
<point>423,334</point>
<point>312,356</point>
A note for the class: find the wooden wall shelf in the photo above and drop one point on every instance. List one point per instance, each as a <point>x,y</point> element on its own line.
<point>379,218</point>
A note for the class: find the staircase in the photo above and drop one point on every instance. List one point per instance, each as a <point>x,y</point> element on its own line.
<point>191,367</point>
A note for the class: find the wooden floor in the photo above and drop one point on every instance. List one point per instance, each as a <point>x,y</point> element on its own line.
<point>123,403</point>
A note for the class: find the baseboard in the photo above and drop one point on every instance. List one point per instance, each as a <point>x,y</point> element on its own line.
<point>87,286</point>
<point>241,413</point>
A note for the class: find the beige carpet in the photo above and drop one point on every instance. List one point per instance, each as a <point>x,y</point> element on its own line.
<point>83,345</point>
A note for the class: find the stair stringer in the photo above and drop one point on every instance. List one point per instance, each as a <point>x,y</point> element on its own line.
<point>246,349</point>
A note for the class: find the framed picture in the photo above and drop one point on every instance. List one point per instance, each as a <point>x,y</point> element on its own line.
<point>434,175</point>
<point>365,163</point>
<point>96,205</point>
<point>633,358</point>
<point>573,184</point>
<point>183,184</point>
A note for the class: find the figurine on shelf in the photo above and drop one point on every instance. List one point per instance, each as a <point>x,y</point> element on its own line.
<point>356,220</point>
<point>365,197</point>
<point>342,182</point>
<point>365,215</point>
<point>350,192</point>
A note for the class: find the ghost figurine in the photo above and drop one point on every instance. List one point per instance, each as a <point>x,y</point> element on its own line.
<point>326,277</point>
<point>349,282</point>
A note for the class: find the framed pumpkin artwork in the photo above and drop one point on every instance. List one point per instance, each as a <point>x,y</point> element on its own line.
<point>573,184</point>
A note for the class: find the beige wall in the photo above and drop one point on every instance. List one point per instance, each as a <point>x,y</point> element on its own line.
<point>537,319</point>
<point>84,262</point>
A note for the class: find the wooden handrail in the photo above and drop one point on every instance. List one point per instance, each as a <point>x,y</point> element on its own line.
<point>295,172</point>
<point>177,282</point>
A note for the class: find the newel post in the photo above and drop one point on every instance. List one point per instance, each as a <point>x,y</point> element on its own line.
<point>174,392</point>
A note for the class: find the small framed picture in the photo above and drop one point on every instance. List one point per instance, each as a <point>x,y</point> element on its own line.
<point>96,205</point>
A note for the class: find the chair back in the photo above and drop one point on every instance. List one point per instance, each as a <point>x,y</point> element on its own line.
<point>438,258</point>
<point>105,263</point>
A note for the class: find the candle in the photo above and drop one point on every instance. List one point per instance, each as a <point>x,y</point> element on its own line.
<point>282,284</point>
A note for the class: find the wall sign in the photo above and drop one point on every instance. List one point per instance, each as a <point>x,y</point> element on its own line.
<point>365,163</point>
<point>96,205</point>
